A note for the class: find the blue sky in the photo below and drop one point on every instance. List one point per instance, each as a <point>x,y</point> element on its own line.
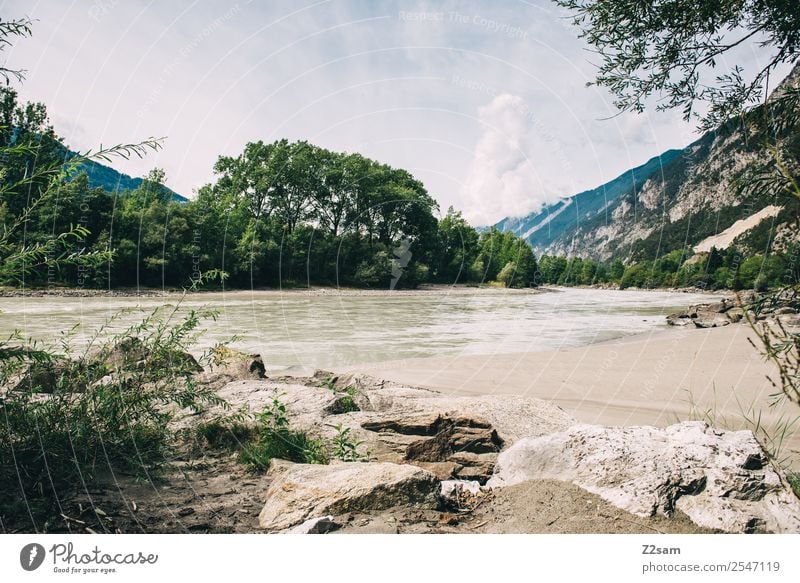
<point>484,101</point>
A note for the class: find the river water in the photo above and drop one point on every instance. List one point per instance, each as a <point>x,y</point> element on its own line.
<point>333,329</point>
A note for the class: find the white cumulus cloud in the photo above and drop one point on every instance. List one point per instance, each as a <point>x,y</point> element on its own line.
<point>513,159</point>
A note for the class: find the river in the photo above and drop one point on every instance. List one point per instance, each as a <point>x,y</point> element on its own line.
<point>330,329</point>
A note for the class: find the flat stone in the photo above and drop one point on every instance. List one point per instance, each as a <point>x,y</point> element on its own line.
<point>304,491</point>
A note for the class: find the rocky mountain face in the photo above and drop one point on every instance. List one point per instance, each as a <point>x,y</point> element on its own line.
<point>677,199</point>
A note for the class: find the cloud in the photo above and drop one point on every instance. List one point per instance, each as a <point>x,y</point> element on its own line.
<point>505,177</point>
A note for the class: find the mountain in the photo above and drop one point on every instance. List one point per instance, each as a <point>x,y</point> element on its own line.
<point>681,198</point>
<point>107,178</point>
<point>560,221</point>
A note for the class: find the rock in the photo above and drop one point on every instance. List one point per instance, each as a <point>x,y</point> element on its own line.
<point>442,470</point>
<point>512,417</point>
<point>784,311</point>
<point>679,319</point>
<point>431,437</point>
<point>319,525</point>
<point>474,466</point>
<point>790,321</point>
<point>744,298</point>
<point>735,314</point>
<point>41,377</point>
<point>238,365</point>
<point>304,490</point>
<point>460,494</point>
<point>449,487</point>
<point>132,353</point>
<point>305,405</point>
<point>710,319</point>
<point>720,479</point>
<point>718,307</point>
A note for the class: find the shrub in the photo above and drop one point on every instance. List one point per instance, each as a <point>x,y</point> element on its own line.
<point>103,410</point>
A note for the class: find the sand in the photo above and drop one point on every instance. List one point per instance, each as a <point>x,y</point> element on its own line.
<point>652,379</point>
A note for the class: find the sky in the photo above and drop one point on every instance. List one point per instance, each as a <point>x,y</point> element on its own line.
<point>485,102</point>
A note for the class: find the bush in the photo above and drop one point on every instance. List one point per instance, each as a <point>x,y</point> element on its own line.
<point>103,410</point>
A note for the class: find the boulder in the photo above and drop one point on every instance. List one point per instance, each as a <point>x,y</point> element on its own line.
<point>679,319</point>
<point>735,314</point>
<point>720,479</point>
<point>511,416</point>
<point>236,364</point>
<point>132,353</point>
<point>42,377</point>
<point>470,444</point>
<point>710,319</point>
<point>790,321</point>
<point>304,491</point>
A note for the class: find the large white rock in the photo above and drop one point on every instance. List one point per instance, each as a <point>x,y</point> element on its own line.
<point>302,491</point>
<point>720,479</point>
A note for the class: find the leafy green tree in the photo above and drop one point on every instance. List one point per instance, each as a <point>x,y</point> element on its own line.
<point>671,49</point>
<point>616,270</point>
<point>457,249</point>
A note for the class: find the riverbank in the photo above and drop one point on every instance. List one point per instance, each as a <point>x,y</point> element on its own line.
<point>434,288</point>
<point>654,378</point>
<point>69,292</point>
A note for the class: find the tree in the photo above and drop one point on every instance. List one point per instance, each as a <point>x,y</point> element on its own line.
<point>670,49</point>
<point>458,248</point>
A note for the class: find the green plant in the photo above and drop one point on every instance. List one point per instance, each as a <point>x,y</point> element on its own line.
<point>344,447</point>
<point>346,403</point>
<point>794,482</point>
<point>68,417</point>
<point>224,432</point>
<point>275,439</point>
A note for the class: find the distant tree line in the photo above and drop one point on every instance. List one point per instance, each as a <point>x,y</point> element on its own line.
<point>731,268</point>
<point>278,214</point>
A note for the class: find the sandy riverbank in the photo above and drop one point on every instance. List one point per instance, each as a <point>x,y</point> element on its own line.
<point>649,379</point>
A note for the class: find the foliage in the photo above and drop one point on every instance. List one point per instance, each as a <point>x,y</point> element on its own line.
<point>728,269</point>
<point>68,417</point>
<point>280,213</point>
<point>276,439</point>
<point>344,447</point>
<point>779,345</point>
<point>346,402</point>
<point>794,481</point>
<point>670,50</point>
<point>20,27</point>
